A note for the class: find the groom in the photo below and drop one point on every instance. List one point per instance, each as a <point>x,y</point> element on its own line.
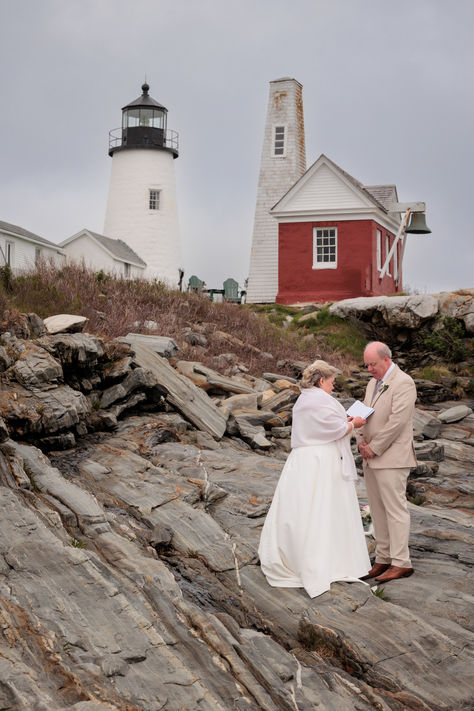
<point>386,445</point>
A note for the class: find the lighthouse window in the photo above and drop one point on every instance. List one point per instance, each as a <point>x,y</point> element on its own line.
<point>279,141</point>
<point>154,200</point>
<point>325,248</point>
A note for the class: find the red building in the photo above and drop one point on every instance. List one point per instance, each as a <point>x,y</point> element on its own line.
<point>333,237</point>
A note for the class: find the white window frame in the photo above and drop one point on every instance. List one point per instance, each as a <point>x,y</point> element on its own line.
<point>318,263</point>
<point>378,247</point>
<point>9,252</point>
<point>154,199</point>
<point>127,270</point>
<point>280,140</point>
<point>387,252</point>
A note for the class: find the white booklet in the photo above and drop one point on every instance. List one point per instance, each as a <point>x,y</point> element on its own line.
<point>358,409</point>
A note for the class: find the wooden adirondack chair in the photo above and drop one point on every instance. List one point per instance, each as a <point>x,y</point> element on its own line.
<point>195,284</point>
<point>231,290</point>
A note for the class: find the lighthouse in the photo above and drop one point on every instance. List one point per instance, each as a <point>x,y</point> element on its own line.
<point>141,206</point>
<point>283,162</point>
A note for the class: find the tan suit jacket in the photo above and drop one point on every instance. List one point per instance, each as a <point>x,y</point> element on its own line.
<point>389,430</point>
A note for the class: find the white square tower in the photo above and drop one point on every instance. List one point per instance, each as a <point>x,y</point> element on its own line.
<point>283,162</point>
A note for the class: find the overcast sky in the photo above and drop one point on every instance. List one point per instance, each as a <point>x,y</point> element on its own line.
<point>387,91</point>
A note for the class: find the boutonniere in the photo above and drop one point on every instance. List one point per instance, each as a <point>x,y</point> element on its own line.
<point>383,387</point>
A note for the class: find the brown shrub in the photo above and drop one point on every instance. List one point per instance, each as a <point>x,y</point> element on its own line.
<point>115,306</point>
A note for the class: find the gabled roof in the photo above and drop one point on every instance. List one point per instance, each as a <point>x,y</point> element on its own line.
<point>117,248</point>
<point>384,194</point>
<point>377,196</point>
<point>16,231</point>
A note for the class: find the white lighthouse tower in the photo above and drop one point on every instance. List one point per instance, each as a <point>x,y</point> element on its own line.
<point>141,207</point>
<point>283,162</point>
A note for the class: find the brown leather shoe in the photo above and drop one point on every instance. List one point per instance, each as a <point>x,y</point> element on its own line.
<point>393,573</point>
<point>376,569</point>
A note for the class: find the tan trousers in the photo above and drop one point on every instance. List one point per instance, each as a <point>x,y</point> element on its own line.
<point>386,490</point>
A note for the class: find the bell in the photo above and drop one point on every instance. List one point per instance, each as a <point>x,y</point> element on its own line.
<point>417,224</point>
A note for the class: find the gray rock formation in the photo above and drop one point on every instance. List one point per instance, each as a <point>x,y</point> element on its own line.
<point>129,576</point>
<point>408,311</point>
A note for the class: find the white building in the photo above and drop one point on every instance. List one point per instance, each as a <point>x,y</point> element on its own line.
<point>21,249</point>
<point>99,252</point>
<point>141,206</point>
<point>283,162</point>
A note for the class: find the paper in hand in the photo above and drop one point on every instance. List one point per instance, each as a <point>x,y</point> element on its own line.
<point>358,409</point>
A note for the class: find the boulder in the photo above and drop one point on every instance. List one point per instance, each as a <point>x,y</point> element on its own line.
<point>239,402</point>
<point>195,339</point>
<point>35,325</point>
<point>459,451</point>
<point>43,412</point>
<point>234,384</point>
<point>186,368</point>
<point>426,424</point>
<point>75,350</point>
<point>275,377</point>
<point>281,400</point>
<point>395,311</point>
<point>432,451</point>
<point>286,383</point>
<point>36,368</point>
<point>65,323</point>
<point>455,414</point>
<point>409,312</point>
<point>429,391</point>
<point>458,305</point>
<point>164,346</point>
<point>118,369</point>
<point>138,378</point>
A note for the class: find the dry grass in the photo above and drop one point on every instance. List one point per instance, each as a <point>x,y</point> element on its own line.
<point>115,306</point>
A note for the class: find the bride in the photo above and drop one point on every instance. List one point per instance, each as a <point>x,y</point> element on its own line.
<point>313,532</point>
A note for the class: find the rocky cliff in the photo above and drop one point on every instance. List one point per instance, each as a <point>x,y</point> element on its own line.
<point>134,487</point>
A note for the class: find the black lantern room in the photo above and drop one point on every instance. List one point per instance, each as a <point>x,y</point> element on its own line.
<point>144,125</point>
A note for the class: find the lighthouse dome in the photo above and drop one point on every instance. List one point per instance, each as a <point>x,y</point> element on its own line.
<point>144,125</point>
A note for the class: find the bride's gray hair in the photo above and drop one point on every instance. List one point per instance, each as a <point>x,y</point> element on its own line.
<point>314,372</point>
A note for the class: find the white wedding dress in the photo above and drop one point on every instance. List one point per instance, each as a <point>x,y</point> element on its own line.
<point>313,532</point>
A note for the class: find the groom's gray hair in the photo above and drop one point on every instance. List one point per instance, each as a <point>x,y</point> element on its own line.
<point>382,348</point>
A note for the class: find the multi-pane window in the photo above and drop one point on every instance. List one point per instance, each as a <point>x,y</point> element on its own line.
<point>325,248</point>
<point>37,255</point>
<point>154,200</point>
<point>279,141</point>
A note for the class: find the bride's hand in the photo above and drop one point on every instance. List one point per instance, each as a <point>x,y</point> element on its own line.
<point>357,421</point>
